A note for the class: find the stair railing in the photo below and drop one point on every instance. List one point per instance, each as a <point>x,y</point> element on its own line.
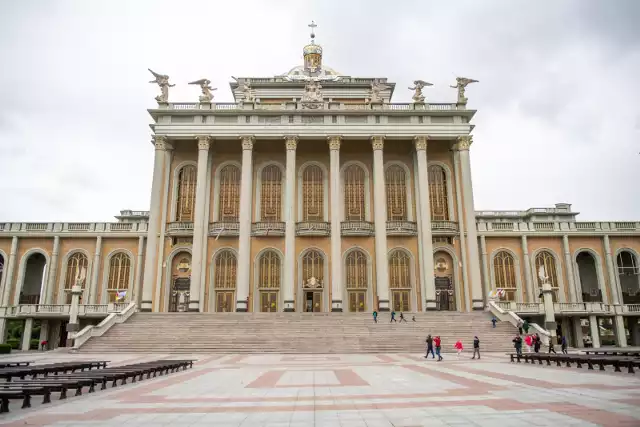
<point>511,317</point>
<point>87,332</point>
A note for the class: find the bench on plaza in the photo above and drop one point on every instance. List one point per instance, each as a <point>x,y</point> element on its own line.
<point>590,360</point>
<point>13,364</point>
<point>22,392</point>
<point>52,368</point>
<point>628,353</point>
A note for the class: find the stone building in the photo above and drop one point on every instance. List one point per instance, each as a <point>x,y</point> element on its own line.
<point>312,191</point>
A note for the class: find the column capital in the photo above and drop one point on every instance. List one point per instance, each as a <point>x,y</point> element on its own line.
<point>291,142</point>
<point>334,142</point>
<point>160,142</point>
<point>204,142</point>
<point>420,142</point>
<point>377,142</point>
<point>464,142</point>
<point>247,142</point>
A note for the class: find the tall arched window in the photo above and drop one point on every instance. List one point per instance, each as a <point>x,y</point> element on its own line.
<point>312,194</point>
<point>271,194</point>
<point>505,274</point>
<point>629,277</point>
<point>269,270</point>
<point>313,266</point>
<point>438,197</point>
<point>547,262</point>
<point>396,182</point>
<point>400,280</point>
<point>224,280</point>
<point>186,196</point>
<point>357,280</point>
<point>77,266</point>
<point>229,203</point>
<point>354,196</point>
<point>119,275</point>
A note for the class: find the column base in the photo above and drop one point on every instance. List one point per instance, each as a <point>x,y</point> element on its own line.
<point>289,306</point>
<point>336,306</point>
<point>146,306</point>
<point>241,306</point>
<point>194,306</point>
<point>477,304</point>
<point>383,305</point>
<point>430,305</point>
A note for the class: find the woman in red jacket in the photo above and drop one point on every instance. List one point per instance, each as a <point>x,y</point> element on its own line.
<point>437,343</point>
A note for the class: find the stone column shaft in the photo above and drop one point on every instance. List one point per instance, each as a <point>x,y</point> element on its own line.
<point>155,214</point>
<point>9,284</point>
<point>573,296</point>
<point>336,238</point>
<point>595,330</point>
<point>485,263</point>
<point>290,224</point>
<point>611,272</point>
<point>420,229</point>
<point>464,142</point>
<point>26,334</point>
<point>95,273</point>
<point>138,281</point>
<point>244,240</point>
<point>198,223</point>
<point>47,298</point>
<point>463,238</point>
<point>380,224</point>
<point>527,271</point>
<point>420,143</point>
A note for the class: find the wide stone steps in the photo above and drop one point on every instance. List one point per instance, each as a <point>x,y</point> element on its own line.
<point>317,333</point>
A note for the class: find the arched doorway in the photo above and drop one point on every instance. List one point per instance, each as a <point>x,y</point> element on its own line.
<point>588,275</point>
<point>400,280</point>
<point>444,277</point>
<point>180,282</point>
<point>312,267</point>
<point>269,281</point>
<point>356,280</point>
<point>225,276</point>
<point>629,277</point>
<point>34,276</point>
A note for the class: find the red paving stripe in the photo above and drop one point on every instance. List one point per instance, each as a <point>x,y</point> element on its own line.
<point>267,380</point>
<point>385,358</point>
<point>152,386</point>
<point>348,377</point>
<point>237,358</point>
<point>209,359</point>
<point>465,382</point>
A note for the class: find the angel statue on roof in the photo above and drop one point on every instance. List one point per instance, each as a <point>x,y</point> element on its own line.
<point>418,85</point>
<point>461,84</point>
<point>374,92</point>
<point>205,86</point>
<point>162,80</point>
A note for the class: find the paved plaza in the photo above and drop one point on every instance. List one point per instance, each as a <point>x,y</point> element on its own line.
<point>344,390</point>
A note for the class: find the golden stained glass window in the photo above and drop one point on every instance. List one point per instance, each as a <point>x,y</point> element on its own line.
<point>504,271</point>
<point>226,267</point>
<point>356,265</point>
<point>313,266</point>
<point>438,197</point>
<point>119,274</point>
<point>354,197</point>
<point>229,203</point>
<point>186,197</point>
<point>312,194</point>
<point>271,194</point>
<point>396,182</point>
<point>399,272</point>
<point>76,263</point>
<point>546,259</point>
<point>269,270</point>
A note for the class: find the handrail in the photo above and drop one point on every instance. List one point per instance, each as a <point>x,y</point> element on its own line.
<point>515,320</point>
<point>83,336</point>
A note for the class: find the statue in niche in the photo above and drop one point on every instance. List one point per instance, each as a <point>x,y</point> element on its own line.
<point>312,97</point>
<point>207,95</point>
<point>418,85</point>
<point>542,275</point>
<point>162,80</point>
<point>461,84</point>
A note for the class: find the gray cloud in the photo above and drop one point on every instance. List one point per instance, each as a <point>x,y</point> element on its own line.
<point>557,119</point>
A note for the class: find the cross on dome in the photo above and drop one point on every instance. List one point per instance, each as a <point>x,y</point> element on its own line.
<point>313,27</point>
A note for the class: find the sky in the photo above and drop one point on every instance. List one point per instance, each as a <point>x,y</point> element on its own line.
<point>558,110</point>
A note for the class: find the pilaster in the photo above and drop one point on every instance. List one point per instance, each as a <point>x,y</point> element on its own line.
<point>337,290</point>
<point>291,143</point>
<point>611,272</point>
<point>138,280</point>
<point>527,270</point>
<point>9,283</point>
<point>463,237</point>
<point>573,295</point>
<point>380,224</point>
<point>52,273</point>
<point>429,286</point>
<point>95,272</point>
<point>244,239</point>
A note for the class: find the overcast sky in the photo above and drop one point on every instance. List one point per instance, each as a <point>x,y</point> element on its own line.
<point>558,100</point>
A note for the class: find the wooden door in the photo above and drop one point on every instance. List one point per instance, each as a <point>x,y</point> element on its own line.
<point>357,301</point>
<point>224,302</point>
<point>268,301</point>
<point>317,302</point>
<point>401,300</point>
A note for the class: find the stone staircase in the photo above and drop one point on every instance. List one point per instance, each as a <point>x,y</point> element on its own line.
<point>319,333</point>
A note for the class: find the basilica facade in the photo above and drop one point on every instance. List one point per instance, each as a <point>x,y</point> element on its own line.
<point>313,191</point>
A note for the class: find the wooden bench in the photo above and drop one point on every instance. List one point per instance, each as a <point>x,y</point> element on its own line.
<point>627,353</point>
<point>590,360</point>
<point>14,364</point>
<point>53,368</point>
<point>22,392</point>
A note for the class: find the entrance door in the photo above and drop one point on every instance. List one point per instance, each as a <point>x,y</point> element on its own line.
<point>179,297</point>
<point>400,300</point>
<point>357,301</point>
<point>63,334</point>
<point>312,301</point>
<point>224,302</point>
<point>445,296</point>
<point>268,301</point>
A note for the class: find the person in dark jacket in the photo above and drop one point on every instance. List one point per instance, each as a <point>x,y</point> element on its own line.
<point>563,345</point>
<point>429,342</point>
<point>537,342</point>
<point>476,347</point>
<point>517,343</point>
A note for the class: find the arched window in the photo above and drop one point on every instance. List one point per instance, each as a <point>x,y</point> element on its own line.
<point>588,275</point>
<point>269,270</point>
<point>229,198</point>
<point>312,194</point>
<point>399,273</point>
<point>438,197</point>
<point>629,277</point>
<point>354,197</point>
<point>186,197</point>
<point>271,194</point>
<point>119,275</point>
<point>547,262</point>
<point>313,266</point>
<point>396,182</point>
<point>504,271</point>
<point>226,267</point>
<point>77,266</point>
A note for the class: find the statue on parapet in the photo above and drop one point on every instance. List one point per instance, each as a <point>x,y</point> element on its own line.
<point>418,85</point>
<point>461,84</point>
<point>205,85</point>
<point>247,91</point>
<point>374,92</point>
<point>162,80</point>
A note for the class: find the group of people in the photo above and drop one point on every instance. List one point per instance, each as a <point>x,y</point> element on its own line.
<point>393,317</point>
<point>437,343</point>
<point>534,340</point>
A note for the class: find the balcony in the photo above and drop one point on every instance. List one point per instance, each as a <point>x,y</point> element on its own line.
<point>180,228</point>
<point>442,228</point>
<point>569,308</point>
<point>60,310</point>
<point>224,229</point>
<point>313,228</point>
<point>402,228</point>
<point>267,229</point>
<point>356,228</point>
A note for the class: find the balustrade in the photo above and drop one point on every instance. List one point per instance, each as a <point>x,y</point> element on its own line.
<point>224,228</point>
<point>267,229</point>
<point>444,227</point>
<point>402,228</point>
<point>356,228</point>
<point>313,228</point>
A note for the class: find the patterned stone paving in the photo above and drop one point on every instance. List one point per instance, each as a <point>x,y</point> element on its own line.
<point>346,390</point>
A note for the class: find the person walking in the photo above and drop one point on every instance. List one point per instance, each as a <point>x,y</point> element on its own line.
<point>458,346</point>
<point>563,345</point>
<point>520,327</point>
<point>528,341</point>
<point>393,317</point>
<point>493,321</point>
<point>476,347</point>
<point>517,343</point>
<point>413,318</point>
<point>438,344</point>
<point>551,347</point>
<point>375,316</point>
<point>402,319</point>
<point>429,342</point>
<point>525,326</point>
<point>537,342</point>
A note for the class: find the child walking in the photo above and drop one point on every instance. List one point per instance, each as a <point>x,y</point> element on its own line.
<point>458,347</point>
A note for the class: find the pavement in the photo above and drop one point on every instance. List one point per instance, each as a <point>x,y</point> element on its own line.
<point>349,390</point>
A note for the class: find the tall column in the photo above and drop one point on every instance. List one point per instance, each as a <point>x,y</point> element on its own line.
<point>595,330</point>
<point>155,214</point>
<point>485,263</point>
<point>244,240</point>
<point>423,273</point>
<point>420,143</point>
<point>463,239</point>
<point>53,272</point>
<point>138,281</point>
<point>95,272</point>
<point>198,223</point>
<point>11,266</point>
<point>26,334</point>
<point>380,224</point>
<point>290,223</point>
<point>336,238</point>
<point>573,296</point>
<point>611,272</point>
<point>464,142</point>
<point>527,270</point>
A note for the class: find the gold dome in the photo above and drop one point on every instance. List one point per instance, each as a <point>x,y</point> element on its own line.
<point>312,49</point>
